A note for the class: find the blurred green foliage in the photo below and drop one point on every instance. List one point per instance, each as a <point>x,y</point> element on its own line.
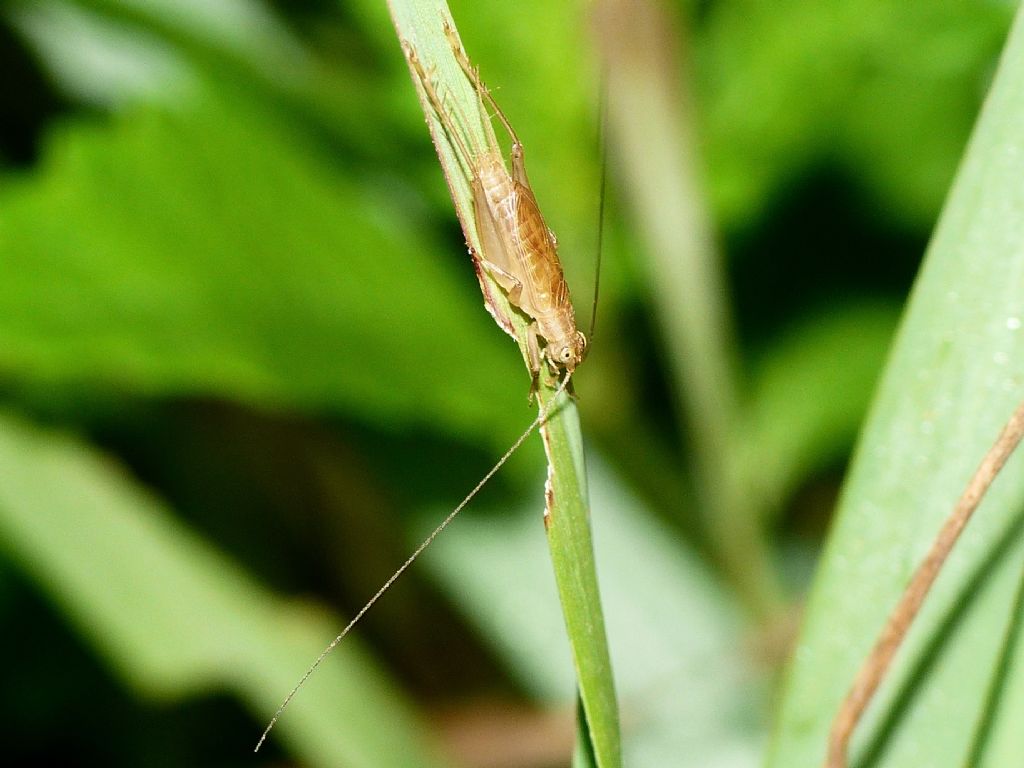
<point>242,356</point>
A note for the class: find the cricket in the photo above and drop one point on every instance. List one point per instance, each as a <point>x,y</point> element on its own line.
<point>519,252</point>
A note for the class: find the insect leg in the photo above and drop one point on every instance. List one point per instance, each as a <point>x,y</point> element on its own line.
<point>484,93</point>
<point>519,176</point>
<point>453,132</point>
<point>495,256</point>
<point>534,355</point>
<point>473,73</point>
<point>513,287</point>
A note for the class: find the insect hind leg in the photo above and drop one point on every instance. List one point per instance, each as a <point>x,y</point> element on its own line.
<point>473,73</point>
<point>484,94</point>
<point>535,358</point>
<point>455,133</point>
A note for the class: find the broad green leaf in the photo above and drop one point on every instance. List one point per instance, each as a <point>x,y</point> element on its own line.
<point>174,618</point>
<point>213,250</point>
<point>955,376</point>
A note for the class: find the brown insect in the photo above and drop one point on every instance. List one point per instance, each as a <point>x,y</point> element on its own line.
<point>519,251</point>
<point>521,254</point>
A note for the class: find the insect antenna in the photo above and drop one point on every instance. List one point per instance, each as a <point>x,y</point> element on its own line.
<point>602,144</point>
<point>542,415</point>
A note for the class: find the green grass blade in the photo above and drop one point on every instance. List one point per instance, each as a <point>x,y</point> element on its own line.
<point>671,624</point>
<point>583,754</point>
<point>567,520</point>
<point>955,376</point>
<point>419,23</point>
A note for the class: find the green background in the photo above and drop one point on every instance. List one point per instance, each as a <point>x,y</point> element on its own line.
<point>244,367</point>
